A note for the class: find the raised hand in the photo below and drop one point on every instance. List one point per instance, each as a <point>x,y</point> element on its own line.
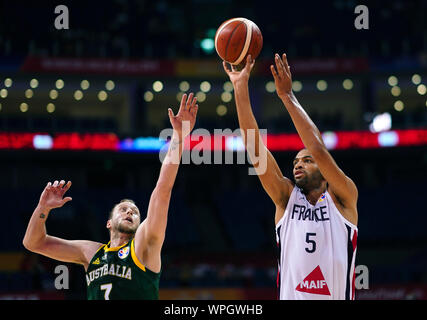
<point>242,75</point>
<point>282,76</point>
<point>185,119</point>
<point>53,195</point>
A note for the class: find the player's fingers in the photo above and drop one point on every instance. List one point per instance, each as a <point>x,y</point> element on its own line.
<point>66,199</point>
<point>280,67</point>
<point>170,113</point>
<point>66,187</point>
<point>225,66</point>
<point>61,183</point>
<point>48,186</point>
<point>189,101</point>
<point>249,62</point>
<point>55,184</point>
<point>183,100</point>
<point>273,72</point>
<point>194,110</point>
<point>193,104</point>
<point>286,64</point>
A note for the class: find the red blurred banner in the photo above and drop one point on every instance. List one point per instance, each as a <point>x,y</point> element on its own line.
<point>209,142</point>
<point>98,66</point>
<point>183,68</point>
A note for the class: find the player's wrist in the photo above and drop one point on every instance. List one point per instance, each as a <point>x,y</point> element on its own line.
<point>42,210</point>
<point>242,81</point>
<point>287,97</point>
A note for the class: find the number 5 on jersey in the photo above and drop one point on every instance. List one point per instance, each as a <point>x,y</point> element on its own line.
<point>312,244</point>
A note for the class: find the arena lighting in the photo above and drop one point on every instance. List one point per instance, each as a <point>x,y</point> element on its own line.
<point>341,140</point>
<point>221,110</point>
<point>270,86</point>
<point>8,82</point>
<point>3,93</point>
<point>347,84</point>
<point>148,96</point>
<point>205,86</point>
<point>53,94</point>
<point>201,96</point>
<point>416,79</point>
<point>157,86</point>
<point>395,91</point>
<point>84,84</point>
<point>34,83</point>
<point>399,105</point>
<point>184,86</point>
<point>78,95</point>
<point>381,122</point>
<point>102,95</point>
<point>226,96</point>
<point>29,93</point>
<point>421,89</point>
<point>179,96</point>
<point>23,107</point>
<point>228,86</point>
<point>109,85</point>
<point>392,81</point>
<point>322,85</point>
<point>50,107</point>
<point>296,86</point>
<point>59,84</point>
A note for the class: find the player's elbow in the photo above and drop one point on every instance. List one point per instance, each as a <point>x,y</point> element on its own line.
<point>31,244</point>
<point>28,245</point>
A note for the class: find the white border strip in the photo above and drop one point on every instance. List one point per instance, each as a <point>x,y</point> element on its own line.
<point>247,41</point>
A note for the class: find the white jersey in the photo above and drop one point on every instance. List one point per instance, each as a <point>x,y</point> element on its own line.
<point>317,251</point>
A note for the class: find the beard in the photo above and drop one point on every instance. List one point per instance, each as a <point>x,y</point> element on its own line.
<point>310,182</point>
<point>122,228</point>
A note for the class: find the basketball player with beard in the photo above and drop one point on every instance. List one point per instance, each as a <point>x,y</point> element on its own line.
<point>316,216</point>
<point>128,267</point>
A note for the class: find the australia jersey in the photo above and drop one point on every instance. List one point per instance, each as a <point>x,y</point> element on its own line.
<point>316,251</point>
<point>117,274</point>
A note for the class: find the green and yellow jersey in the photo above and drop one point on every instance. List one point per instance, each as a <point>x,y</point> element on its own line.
<point>117,274</point>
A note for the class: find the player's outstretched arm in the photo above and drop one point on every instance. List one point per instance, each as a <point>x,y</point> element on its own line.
<point>275,184</point>
<point>341,186</point>
<point>37,240</point>
<point>150,235</point>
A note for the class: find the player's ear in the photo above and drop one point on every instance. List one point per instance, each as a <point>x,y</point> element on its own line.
<point>108,224</point>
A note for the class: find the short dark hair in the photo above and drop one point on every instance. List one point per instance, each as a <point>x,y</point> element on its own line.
<point>110,215</point>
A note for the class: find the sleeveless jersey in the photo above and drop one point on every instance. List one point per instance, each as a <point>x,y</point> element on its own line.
<point>117,274</point>
<point>316,251</point>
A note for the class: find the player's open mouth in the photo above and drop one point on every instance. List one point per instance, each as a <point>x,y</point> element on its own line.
<point>128,219</point>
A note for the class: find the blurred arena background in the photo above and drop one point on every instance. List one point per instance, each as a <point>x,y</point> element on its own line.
<point>87,104</point>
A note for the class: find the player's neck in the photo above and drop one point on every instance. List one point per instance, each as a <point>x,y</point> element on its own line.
<point>314,194</point>
<point>118,239</point>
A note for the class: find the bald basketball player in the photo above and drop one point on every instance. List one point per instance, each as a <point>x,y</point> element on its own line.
<point>316,214</point>
<point>129,266</point>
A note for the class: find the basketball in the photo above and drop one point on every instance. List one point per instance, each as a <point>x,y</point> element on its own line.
<point>236,38</point>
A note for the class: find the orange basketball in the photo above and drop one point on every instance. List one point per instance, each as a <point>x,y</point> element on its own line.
<point>236,38</point>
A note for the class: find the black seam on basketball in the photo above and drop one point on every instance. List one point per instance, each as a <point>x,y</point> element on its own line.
<point>231,35</point>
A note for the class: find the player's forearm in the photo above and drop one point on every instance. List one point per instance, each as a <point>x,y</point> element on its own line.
<point>307,130</point>
<point>170,165</point>
<point>36,229</point>
<point>246,117</point>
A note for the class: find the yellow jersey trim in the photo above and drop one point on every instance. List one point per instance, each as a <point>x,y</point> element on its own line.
<point>106,249</point>
<point>134,257</point>
<point>102,246</point>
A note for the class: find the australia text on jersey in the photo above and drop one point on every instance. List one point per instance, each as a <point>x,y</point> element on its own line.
<point>112,269</point>
<point>304,213</point>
